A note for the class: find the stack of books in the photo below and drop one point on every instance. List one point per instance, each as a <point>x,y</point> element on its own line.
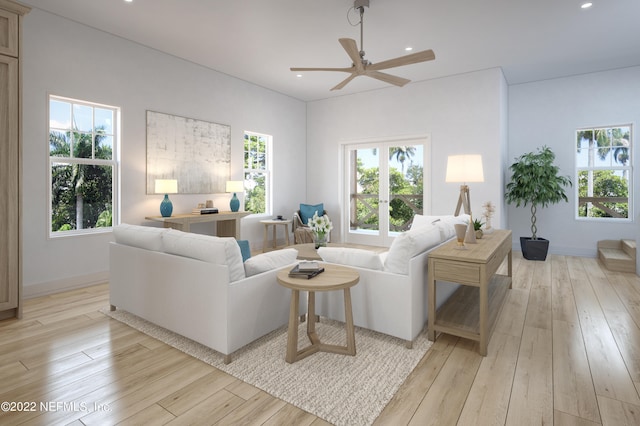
<point>306,269</point>
<point>208,210</point>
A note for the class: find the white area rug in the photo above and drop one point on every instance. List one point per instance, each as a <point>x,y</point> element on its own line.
<point>340,389</point>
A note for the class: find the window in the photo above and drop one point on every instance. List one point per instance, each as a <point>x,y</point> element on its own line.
<point>257,173</point>
<point>604,169</point>
<point>83,141</point>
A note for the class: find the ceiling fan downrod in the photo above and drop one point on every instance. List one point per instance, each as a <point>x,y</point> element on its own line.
<point>359,5</point>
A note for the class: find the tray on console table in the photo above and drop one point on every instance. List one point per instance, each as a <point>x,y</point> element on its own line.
<point>470,313</point>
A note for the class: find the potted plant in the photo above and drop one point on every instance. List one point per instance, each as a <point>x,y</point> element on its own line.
<point>535,180</point>
<point>477,226</point>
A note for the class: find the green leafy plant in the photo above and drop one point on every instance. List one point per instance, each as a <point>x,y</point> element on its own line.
<point>535,180</point>
<point>477,225</point>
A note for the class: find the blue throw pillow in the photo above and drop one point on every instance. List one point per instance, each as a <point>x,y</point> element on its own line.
<point>244,249</point>
<point>307,211</point>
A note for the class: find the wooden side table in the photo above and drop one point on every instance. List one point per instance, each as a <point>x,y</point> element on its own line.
<point>274,223</point>
<point>469,314</point>
<point>334,277</point>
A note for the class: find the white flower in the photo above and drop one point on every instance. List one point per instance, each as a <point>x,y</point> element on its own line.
<point>489,209</point>
<point>320,225</point>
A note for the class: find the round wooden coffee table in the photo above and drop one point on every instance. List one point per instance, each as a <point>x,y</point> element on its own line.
<point>334,277</point>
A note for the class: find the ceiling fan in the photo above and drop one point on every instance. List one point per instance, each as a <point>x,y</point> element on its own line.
<point>361,66</point>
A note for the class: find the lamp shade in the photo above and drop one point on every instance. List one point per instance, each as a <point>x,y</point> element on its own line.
<point>166,186</point>
<point>464,168</point>
<point>235,186</point>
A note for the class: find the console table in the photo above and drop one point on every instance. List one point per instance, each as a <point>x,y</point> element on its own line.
<point>469,313</point>
<point>228,223</point>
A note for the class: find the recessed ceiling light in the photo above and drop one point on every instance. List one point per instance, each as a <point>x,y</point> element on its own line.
<point>586,5</point>
<point>299,75</point>
<point>408,49</point>
<point>128,1</point>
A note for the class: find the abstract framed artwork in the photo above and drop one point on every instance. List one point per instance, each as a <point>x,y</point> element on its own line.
<point>194,152</point>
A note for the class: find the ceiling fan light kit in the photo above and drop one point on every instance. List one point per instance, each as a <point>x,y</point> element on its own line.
<point>361,66</point>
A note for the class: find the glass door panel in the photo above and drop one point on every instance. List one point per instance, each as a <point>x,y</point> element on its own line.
<point>364,183</point>
<point>406,185</point>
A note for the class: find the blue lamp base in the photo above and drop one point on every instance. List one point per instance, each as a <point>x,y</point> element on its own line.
<point>166,208</point>
<point>234,204</point>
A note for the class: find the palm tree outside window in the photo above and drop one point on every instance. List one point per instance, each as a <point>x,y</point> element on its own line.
<point>83,142</point>
<point>603,159</point>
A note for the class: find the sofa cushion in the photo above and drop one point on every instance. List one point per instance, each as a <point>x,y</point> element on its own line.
<point>444,222</point>
<point>409,244</point>
<point>264,262</point>
<point>218,250</point>
<point>308,210</point>
<point>144,237</point>
<point>351,257</point>
<point>245,250</point>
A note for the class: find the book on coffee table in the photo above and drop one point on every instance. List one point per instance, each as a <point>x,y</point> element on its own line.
<point>296,272</point>
<point>308,265</point>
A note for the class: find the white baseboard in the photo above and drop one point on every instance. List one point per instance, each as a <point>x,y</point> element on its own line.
<point>51,287</point>
<point>565,251</point>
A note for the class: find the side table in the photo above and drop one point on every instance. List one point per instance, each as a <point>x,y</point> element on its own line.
<point>334,277</point>
<point>468,313</point>
<point>274,223</point>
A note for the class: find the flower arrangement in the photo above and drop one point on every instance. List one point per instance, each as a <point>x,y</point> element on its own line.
<point>320,226</point>
<point>489,209</point>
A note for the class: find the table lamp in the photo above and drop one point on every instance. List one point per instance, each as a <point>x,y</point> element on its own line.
<point>166,187</point>
<point>235,186</point>
<point>465,168</point>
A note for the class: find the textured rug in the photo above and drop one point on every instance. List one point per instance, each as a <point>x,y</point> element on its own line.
<point>340,389</point>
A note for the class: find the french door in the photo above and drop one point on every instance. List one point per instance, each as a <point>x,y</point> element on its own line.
<point>384,188</point>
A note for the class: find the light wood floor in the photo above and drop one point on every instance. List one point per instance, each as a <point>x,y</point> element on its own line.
<point>565,351</point>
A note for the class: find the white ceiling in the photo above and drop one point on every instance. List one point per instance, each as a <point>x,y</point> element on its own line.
<point>258,40</point>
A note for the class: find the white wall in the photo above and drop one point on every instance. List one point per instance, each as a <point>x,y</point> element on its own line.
<point>463,114</point>
<point>548,113</point>
<point>68,59</point>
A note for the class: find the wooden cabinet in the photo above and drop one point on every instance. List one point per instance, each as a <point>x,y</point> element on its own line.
<point>10,159</point>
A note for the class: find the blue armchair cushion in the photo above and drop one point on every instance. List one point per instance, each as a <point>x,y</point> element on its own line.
<point>307,211</point>
<point>244,249</point>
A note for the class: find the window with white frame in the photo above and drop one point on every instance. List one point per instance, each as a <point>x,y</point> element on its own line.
<point>83,166</point>
<point>604,172</point>
<point>257,173</point>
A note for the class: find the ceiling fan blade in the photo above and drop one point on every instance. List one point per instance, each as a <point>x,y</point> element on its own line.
<point>387,78</point>
<point>344,82</point>
<point>350,69</point>
<point>350,46</point>
<point>414,58</point>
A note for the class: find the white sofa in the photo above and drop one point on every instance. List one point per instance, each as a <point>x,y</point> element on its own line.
<point>391,296</point>
<point>198,286</point>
